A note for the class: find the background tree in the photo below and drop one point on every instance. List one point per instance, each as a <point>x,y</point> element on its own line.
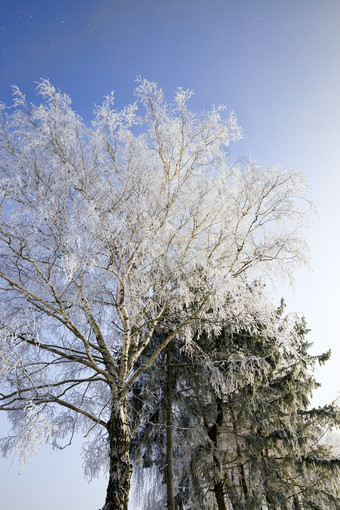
<point>114,231</point>
<point>202,383</point>
<point>276,434</point>
<point>258,445</point>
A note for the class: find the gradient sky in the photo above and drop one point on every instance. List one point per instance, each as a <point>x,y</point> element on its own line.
<point>275,62</point>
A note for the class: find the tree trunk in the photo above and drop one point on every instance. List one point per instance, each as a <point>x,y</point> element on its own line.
<point>298,503</point>
<point>219,495</point>
<point>170,498</point>
<point>213,434</point>
<point>241,471</point>
<point>269,499</point>
<point>117,495</point>
<point>233,498</point>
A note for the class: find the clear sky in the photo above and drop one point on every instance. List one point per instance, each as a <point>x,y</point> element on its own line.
<point>275,62</point>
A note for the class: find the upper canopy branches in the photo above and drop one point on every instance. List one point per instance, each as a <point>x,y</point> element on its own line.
<point>135,223</point>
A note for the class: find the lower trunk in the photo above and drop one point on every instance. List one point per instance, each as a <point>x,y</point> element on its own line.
<point>241,471</point>
<point>213,433</point>
<point>271,505</point>
<point>170,498</point>
<point>117,495</point>
<point>231,493</point>
<point>219,495</point>
<point>298,503</point>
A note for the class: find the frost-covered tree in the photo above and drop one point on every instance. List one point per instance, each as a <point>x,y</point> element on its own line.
<point>256,444</point>
<point>114,231</point>
<point>270,437</point>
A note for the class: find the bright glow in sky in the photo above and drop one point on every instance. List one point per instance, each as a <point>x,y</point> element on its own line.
<point>276,63</point>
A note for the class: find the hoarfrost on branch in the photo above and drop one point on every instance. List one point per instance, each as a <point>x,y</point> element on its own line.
<point>111,232</point>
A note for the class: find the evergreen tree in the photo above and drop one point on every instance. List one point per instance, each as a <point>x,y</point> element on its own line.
<point>245,437</point>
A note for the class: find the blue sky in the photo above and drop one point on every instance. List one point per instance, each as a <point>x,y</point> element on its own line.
<point>275,62</point>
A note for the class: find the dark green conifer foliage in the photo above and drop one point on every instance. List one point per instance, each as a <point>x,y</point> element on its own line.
<point>256,445</point>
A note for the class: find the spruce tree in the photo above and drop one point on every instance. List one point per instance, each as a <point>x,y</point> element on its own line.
<point>244,435</point>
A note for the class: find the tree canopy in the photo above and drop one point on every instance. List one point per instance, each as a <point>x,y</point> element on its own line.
<point>111,233</point>
<point>255,444</point>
